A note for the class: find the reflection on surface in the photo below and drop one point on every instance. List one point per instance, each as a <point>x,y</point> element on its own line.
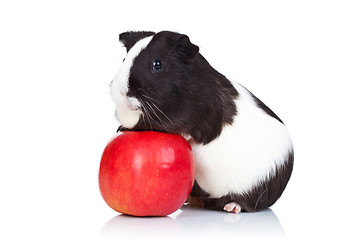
<point>194,222</point>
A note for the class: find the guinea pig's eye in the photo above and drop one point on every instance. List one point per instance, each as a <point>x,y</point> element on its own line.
<point>156,65</point>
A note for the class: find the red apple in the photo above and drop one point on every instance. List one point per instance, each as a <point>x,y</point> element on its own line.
<point>146,173</point>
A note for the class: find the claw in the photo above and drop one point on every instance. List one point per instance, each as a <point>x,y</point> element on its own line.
<point>122,129</point>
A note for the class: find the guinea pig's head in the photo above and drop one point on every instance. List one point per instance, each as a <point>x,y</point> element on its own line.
<point>151,86</point>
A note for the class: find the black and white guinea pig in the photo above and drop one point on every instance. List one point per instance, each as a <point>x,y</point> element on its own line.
<point>244,155</point>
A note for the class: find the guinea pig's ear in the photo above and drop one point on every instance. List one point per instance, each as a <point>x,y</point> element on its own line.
<point>130,38</point>
<point>186,49</point>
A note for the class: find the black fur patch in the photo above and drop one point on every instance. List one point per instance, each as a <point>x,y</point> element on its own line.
<point>187,96</point>
<point>130,38</point>
<point>262,196</point>
<point>198,192</point>
<point>265,108</point>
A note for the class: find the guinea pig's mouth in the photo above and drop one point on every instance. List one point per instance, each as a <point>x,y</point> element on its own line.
<point>132,104</point>
<point>133,108</point>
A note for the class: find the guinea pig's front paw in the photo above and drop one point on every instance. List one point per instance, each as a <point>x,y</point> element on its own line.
<point>121,129</point>
<point>232,207</point>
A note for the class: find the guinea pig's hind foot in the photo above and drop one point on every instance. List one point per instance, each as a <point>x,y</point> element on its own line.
<point>232,207</point>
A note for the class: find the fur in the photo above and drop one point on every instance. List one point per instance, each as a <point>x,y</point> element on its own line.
<point>253,145</point>
<point>242,149</point>
<point>127,108</point>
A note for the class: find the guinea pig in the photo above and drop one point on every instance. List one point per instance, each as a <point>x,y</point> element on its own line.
<point>243,152</point>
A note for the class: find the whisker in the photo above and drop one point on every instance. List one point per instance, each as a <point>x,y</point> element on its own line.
<point>149,107</point>
<point>150,98</point>
<point>157,106</point>
<point>153,111</point>
<point>163,113</point>
<point>146,114</point>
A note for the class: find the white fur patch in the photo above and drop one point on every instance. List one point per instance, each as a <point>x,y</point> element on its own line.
<point>245,153</point>
<point>127,109</point>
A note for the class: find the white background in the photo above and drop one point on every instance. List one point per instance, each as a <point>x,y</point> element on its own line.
<point>57,58</point>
